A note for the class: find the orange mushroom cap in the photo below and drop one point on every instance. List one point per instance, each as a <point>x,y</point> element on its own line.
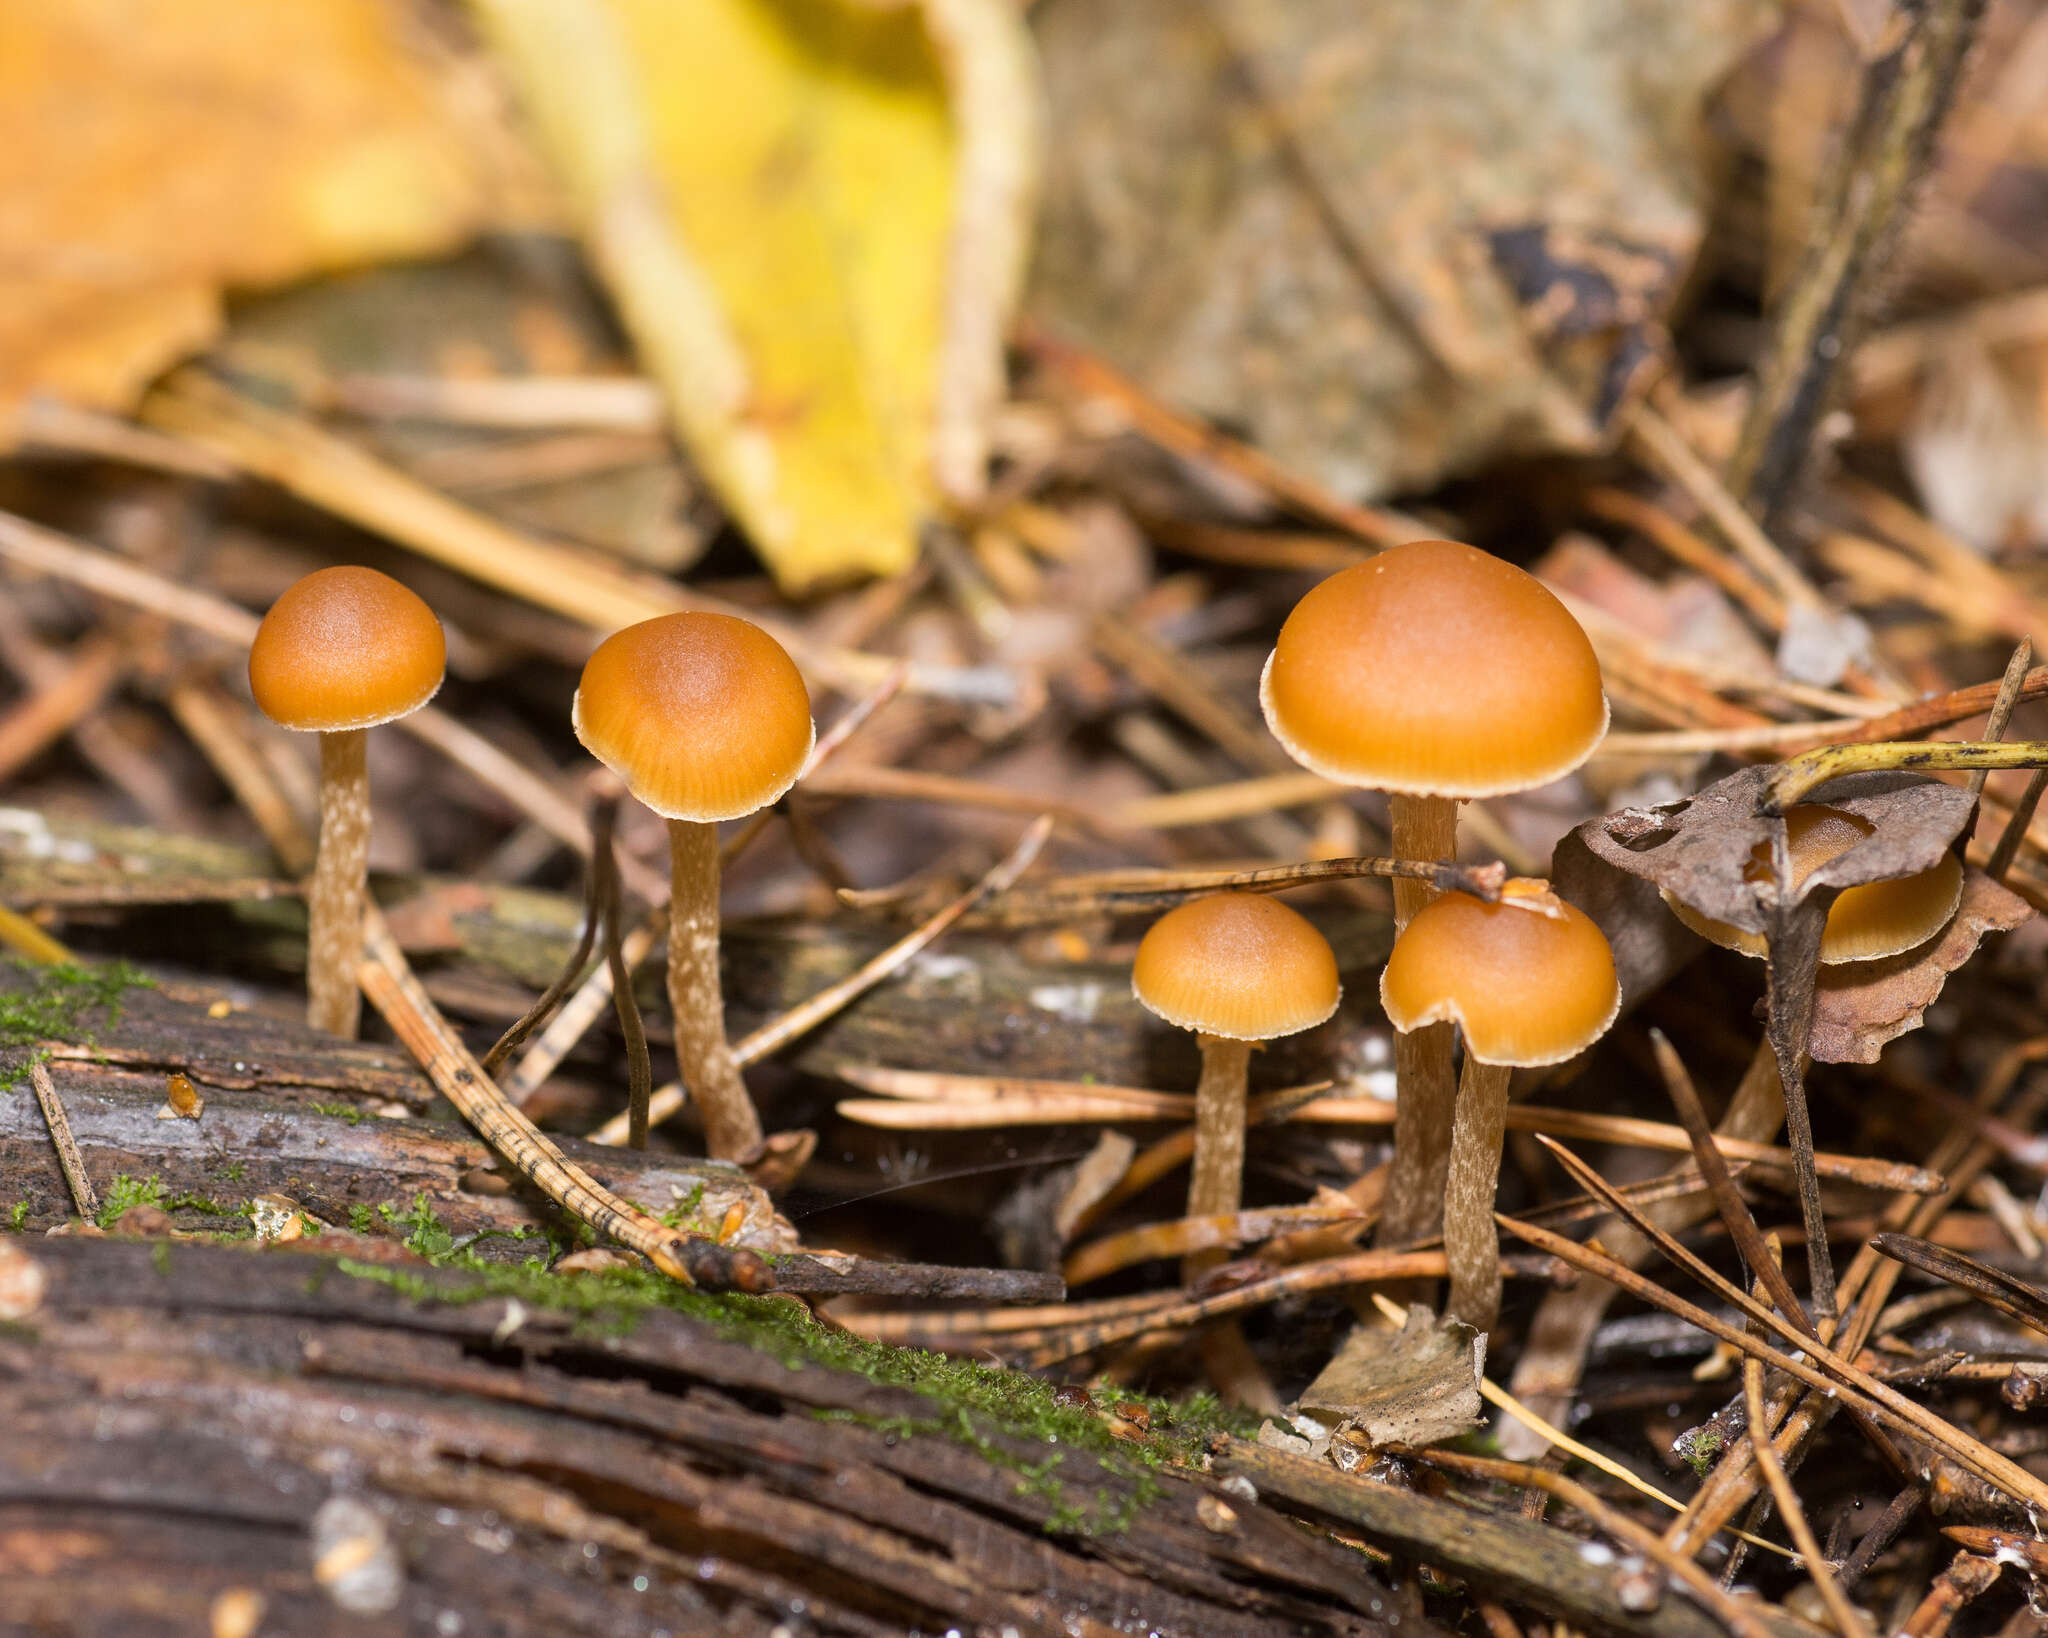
<point>1526,985</point>
<point>344,648</point>
<point>1239,965</point>
<point>1865,923</point>
<point>1434,670</point>
<point>704,716</point>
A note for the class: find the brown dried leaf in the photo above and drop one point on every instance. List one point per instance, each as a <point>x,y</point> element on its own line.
<point>1701,849</point>
<point>1418,1386</point>
<point>1250,209</point>
<point>1861,1005</point>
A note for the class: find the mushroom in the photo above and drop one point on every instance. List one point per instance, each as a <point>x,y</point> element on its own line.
<point>341,651</point>
<point>1529,980</point>
<point>1235,968</point>
<point>1866,923</point>
<point>1435,672</point>
<point>705,717</point>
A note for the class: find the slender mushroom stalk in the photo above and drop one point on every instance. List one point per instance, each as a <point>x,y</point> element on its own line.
<point>341,651</point>
<point>1434,673</point>
<point>1529,980</point>
<point>697,1000</point>
<point>706,718</point>
<point>1471,1184</point>
<point>1216,1180</point>
<point>1236,968</point>
<point>341,874</point>
<point>1422,827</point>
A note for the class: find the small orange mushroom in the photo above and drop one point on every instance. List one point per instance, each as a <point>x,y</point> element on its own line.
<point>1529,980</point>
<point>705,717</point>
<point>1235,968</point>
<point>342,651</point>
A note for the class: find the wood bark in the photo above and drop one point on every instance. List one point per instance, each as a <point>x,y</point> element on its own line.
<point>177,1417</point>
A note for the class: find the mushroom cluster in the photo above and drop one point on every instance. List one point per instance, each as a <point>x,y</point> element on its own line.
<point>1436,673</point>
<point>705,717</point>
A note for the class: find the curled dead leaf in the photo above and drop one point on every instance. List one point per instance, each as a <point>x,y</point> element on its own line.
<point>1417,1386</point>
<point>1712,851</point>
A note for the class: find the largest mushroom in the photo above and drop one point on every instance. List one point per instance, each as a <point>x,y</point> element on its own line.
<point>341,651</point>
<point>1435,673</point>
<point>705,717</point>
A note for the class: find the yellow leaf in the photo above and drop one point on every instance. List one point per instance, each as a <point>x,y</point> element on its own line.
<point>152,154</point>
<point>810,213</point>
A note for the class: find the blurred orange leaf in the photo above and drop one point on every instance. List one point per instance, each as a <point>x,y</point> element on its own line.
<point>151,155</point>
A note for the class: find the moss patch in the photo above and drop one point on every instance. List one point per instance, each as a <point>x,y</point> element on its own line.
<point>126,1193</point>
<point>53,1005</point>
<point>975,1403</point>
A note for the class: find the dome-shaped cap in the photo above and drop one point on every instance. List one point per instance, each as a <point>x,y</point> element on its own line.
<point>346,647</point>
<point>1434,670</point>
<point>1865,923</point>
<point>1236,964</point>
<point>1526,985</point>
<point>704,716</point>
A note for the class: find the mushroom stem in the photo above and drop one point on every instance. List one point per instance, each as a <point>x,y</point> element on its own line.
<point>340,868</point>
<point>1471,1242</point>
<point>732,1131</point>
<point>1216,1182</point>
<point>1424,827</point>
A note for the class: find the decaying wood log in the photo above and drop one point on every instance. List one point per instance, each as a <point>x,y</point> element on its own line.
<point>974,1004</point>
<point>339,1128</point>
<point>200,1416</point>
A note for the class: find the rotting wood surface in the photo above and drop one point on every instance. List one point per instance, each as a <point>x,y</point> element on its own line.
<point>290,1112</point>
<point>183,1412</point>
<point>974,1005</point>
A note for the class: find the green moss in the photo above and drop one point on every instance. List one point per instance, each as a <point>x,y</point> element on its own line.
<point>361,1220</point>
<point>979,1405</point>
<point>53,1006</point>
<point>684,1213</point>
<point>206,1205</point>
<point>17,1217</point>
<point>125,1194</point>
<point>353,1113</point>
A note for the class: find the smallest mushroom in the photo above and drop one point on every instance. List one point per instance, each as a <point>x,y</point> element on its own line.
<point>1528,981</point>
<point>341,651</point>
<point>1235,968</point>
<point>1866,923</point>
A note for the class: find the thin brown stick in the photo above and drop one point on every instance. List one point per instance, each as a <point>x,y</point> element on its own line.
<point>1333,1273</point>
<point>1829,1373</point>
<point>1723,1607</point>
<point>1176,432</point>
<point>68,1157</point>
<point>1849,1620</point>
<point>1734,1210</point>
<point>388,981</point>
